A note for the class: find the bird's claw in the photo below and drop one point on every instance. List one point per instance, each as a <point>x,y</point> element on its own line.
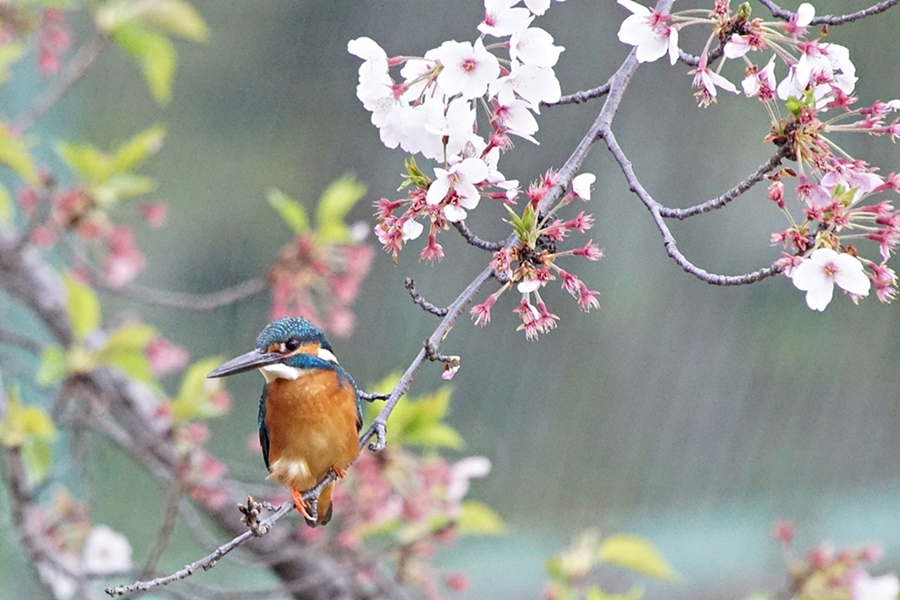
<point>305,508</point>
<point>380,433</point>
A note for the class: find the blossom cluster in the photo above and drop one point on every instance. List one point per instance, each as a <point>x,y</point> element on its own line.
<point>319,281</point>
<point>811,98</point>
<point>531,264</point>
<point>75,546</point>
<point>432,111</point>
<point>414,500</point>
<point>826,573</point>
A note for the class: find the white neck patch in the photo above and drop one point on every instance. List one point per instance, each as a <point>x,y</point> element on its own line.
<point>283,371</point>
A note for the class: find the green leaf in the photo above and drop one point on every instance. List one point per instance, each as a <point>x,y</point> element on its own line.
<point>336,201</point>
<point>595,593</point>
<point>6,206</point>
<point>10,52</point>
<point>154,53</point>
<point>477,518</point>
<point>122,186</point>
<point>193,397</point>
<point>87,162</point>
<point>635,554</point>
<point>82,307</point>
<point>54,366</point>
<point>15,155</point>
<point>37,455</point>
<point>171,16</point>
<point>22,423</point>
<point>138,149</point>
<point>125,350</point>
<point>433,435</point>
<point>291,211</point>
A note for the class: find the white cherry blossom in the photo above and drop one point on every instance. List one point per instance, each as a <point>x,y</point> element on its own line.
<point>649,32</point>
<point>502,18</point>
<point>467,69</point>
<point>581,185</point>
<point>534,46</point>
<point>460,178</point>
<point>532,83</point>
<point>820,271</point>
<point>411,229</point>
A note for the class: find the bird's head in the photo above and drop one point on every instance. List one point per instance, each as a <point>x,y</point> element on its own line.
<point>286,349</point>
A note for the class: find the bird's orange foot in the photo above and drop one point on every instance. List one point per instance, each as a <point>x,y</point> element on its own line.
<point>301,505</point>
<point>339,472</point>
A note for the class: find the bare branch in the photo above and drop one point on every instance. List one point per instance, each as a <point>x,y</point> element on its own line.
<point>166,529</point>
<point>207,301</point>
<point>582,96</point>
<point>474,240</point>
<point>418,299</point>
<point>68,77</point>
<point>875,9</point>
<point>208,561</point>
<point>668,239</point>
<point>720,201</point>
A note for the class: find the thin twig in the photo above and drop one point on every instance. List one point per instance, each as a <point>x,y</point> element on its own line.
<point>208,561</point>
<point>724,199</point>
<point>582,96</point>
<point>875,9</point>
<point>373,396</point>
<point>668,239</point>
<point>22,341</point>
<point>422,302</point>
<point>68,77</point>
<point>166,529</point>
<point>474,240</point>
<point>187,301</point>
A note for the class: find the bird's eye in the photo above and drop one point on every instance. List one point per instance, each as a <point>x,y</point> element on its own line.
<point>292,344</point>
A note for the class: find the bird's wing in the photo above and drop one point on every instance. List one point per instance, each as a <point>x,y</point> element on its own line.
<point>263,432</point>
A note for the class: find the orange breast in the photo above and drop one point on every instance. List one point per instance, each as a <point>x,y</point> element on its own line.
<point>312,426</point>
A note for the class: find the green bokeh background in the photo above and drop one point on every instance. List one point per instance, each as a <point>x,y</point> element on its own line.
<point>694,415</point>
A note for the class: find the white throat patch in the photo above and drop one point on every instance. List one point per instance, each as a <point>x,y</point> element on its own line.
<point>283,371</point>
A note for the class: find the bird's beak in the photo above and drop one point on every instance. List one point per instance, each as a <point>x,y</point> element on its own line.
<point>246,362</point>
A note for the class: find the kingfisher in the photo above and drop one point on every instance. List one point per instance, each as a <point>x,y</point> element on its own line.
<point>309,410</point>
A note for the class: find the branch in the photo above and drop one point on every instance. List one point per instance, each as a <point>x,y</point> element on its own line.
<point>582,96</point>
<point>668,239</point>
<point>207,562</point>
<point>875,9</point>
<point>719,202</point>
<point>68,77</point>
<point>203,301</point>
<point>427,306</point>
<point>474,240</point>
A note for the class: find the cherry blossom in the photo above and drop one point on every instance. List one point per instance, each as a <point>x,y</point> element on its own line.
<point>581,185</point>
<point>467,69</point>
<point>461,178</point>
<point>649,32</point>
<point>534,46</point>
<point>817,274</point>
<point>502,19</point>
<point>106,552</point>
<point>865,587</point>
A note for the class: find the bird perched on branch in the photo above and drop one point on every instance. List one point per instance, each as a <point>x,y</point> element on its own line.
<point>309,412</point>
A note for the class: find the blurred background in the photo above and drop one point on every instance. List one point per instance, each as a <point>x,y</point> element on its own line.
<point>693,415</point>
